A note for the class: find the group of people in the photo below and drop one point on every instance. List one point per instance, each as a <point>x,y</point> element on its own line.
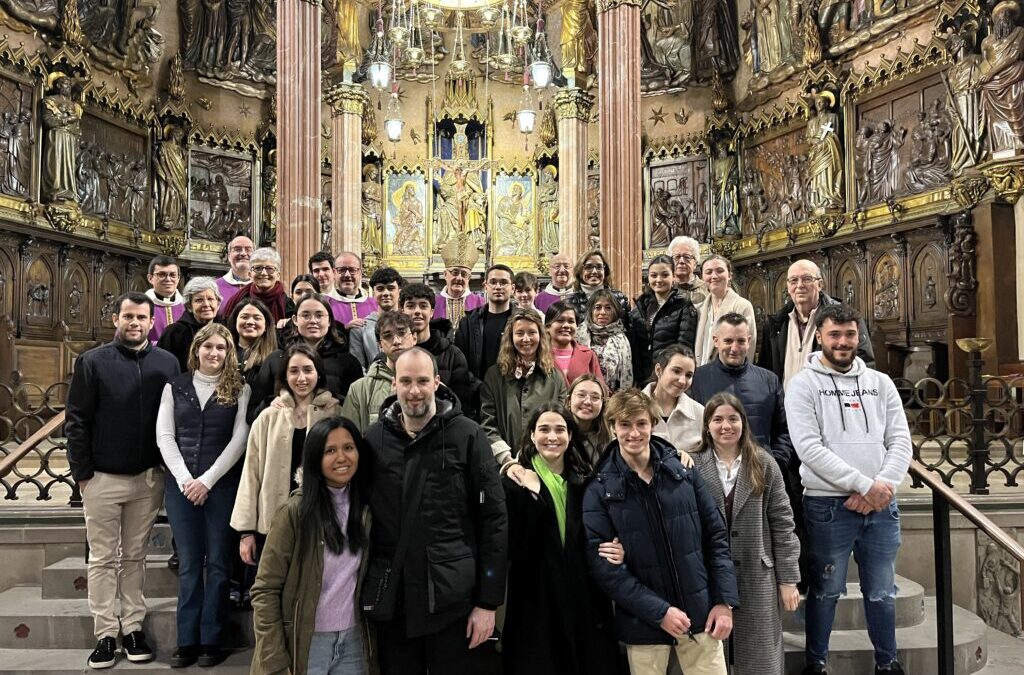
<point>423,479</point>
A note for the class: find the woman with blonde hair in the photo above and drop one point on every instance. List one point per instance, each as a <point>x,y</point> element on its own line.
<point>201,432</point>
<point>524,377</point>
<point>721,300</point>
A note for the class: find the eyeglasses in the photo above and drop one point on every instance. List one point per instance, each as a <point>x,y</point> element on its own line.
<point>584,396</point>
<point>400,334</point>
<point>560,266</point>
<point>499,282</point>
<point>165,275</point>
<point>593,267</point>
<point>347,270</point>
<point>685,257</point>
<point>806,280</point>
<point>313,316</point>
<point>269,270</point>
<point>459,272</point>
<point>241,249</point>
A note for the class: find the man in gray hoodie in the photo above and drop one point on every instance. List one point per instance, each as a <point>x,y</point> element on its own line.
<point>847,424</point>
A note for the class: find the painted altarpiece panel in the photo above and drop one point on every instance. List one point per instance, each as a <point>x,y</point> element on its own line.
<point>406,214</point>
<point>514,235</point>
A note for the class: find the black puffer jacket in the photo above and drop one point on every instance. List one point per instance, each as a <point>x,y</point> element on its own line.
<point>676,543</point>
<point>760,392</point>
<point>341,369</point>
<point>773,351</point>
<point>675,322</point>
<point>111,409</point>
<point>458,550</point>
<point>453,366</point>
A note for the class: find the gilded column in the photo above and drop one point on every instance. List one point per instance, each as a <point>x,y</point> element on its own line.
<point>572,108</point>
<point>347,107</point>
<point>618,30</point>
<point>298,140</point>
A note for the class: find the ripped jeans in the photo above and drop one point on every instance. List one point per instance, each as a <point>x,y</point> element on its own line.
<point>833,532</point>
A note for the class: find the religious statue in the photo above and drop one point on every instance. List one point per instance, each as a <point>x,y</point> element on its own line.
<point>1001,79</point>
<point>999,591</point>
<point>887,293</point>
<point>547,198</point>
<point>170,171</point>
<point>578,41</point>
<point>834,19</point>
<point>879,146</point>
<point>75,300</point>
<point>961,79</point>
<point>269,203</point>
<point>930,297</point>
<point>665,218</point>
<point>825,154</point>
<point>409,232</point>
<point>371,235</point>
<point>137,187</point>
<point>725,185</point>
<point>346,15</point>
<point>461,206</point>
<point>62,119</point>
<point>549,127</point>
<point>14,158</point>
<point>849,297</point>
<point>514,215</point>
<point>326,226</point>
<point>768,27</point>
<point>665,42</point>
<point>755,204</point>
<point>715,42</point>
<point>929,154</point>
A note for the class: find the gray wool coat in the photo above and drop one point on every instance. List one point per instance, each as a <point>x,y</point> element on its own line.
<point>765,552</point>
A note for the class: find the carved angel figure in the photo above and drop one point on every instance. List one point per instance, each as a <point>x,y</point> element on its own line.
<point>62,119</point>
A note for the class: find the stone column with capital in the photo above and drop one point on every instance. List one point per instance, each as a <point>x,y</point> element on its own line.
<point>618,23</point>
<point>298,140</point>
<point>572,108</point>
<point>347,102</point>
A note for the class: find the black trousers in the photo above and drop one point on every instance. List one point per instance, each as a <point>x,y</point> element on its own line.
<point>443,653</point>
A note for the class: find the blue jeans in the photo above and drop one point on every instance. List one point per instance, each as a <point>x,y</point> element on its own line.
<point>339,653</point>
<point>833,532</point>
<point>203,535</point>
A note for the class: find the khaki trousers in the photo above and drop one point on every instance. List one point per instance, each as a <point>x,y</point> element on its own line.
<point>119,516</point>
<point>703,657</point>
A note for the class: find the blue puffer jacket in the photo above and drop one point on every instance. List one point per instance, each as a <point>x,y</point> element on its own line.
<point>676,543</point>
<point>760,392</point>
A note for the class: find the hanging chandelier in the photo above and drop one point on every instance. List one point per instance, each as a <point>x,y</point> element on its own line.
<point>540,65</point>
<point>460,63</point>
<point>414,52</point>
<point>520,28</point>
<point>505,57</point>
<point>379,55</point>
<point>393,121</point>
<point>527,115</point>
<point>398,29</point>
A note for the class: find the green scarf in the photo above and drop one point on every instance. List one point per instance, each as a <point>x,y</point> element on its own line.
<point>556,485</point>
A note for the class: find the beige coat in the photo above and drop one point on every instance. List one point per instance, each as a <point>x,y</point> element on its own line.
<point>266,480</point>
<point>684,424</point>
<point>732,303</point>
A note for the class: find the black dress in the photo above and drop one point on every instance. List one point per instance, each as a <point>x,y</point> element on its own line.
<point>557,621</point>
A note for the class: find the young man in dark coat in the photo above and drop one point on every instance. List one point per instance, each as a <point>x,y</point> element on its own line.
<point>439,540</point>
<point>111,445</point>
<point>479,332</point>
<point>417,302</point>
<point>677,587</point>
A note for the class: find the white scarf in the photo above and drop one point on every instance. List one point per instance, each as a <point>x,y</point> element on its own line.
<point>798,347</point>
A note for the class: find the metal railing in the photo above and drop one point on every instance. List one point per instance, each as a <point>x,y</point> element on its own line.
<point>942,499</point>
<point>33,454</point>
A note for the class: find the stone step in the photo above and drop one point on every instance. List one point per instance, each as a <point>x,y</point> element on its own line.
<point>47,661</point>
<point>68,579</point>
<point>850,652</point>
<point>28,621</point>
<point>850,608</point>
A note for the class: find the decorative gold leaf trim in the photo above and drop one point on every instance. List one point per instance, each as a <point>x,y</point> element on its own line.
<point>680,145</point>
<point>888,70</point>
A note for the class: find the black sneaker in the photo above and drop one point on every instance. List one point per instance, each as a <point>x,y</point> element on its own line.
<point>894,669</point>
<point>135,647</point>
<point>211,655</point>
<point>183,657</point>
<point>105,654</point>
<point>814,669</point>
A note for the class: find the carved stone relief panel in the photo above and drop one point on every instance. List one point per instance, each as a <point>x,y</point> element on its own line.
<point>77,297</point>
<point>39,293</point>
<point>122,37</point>
<point>110,288</point>
<point>677,201</point>
<point>903,143</point>
<point>220,194</point>
<point>887,289</point>
<point>113,172</point>
<point>998,586</point>
<point>43,14</point>
<point>17,131</point>
<point>230,44</point>
<point>326,213</point>
<point>773,184</point>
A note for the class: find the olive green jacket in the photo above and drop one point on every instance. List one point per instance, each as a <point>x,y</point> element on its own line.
<point>507,403</point>
<point>286,593</point>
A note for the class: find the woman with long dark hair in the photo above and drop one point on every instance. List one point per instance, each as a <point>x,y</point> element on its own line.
<point>679,419</point>
<point>664,311</point>
<point>201,432</point>
<point>305,600</point>
<point>604,331</point>
<point>557,621</point>
<point>571,358</point>
<point>252,327</point>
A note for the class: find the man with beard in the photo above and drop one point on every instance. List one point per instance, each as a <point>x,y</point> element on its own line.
<point>111,446</point>
<point>685,252</point>
<point>560,287</point>
<point>848,427</point>
<point>439,541</point>
<point>239,250</point>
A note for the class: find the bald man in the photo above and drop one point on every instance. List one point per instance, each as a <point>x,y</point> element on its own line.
<point>560,287</point>
<point>790,338</point>
<point>239,250</point>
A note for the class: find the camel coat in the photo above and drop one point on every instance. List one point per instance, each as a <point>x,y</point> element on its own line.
<point>732,303</point>
<point>765,552</point>
<point>265,474</point>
